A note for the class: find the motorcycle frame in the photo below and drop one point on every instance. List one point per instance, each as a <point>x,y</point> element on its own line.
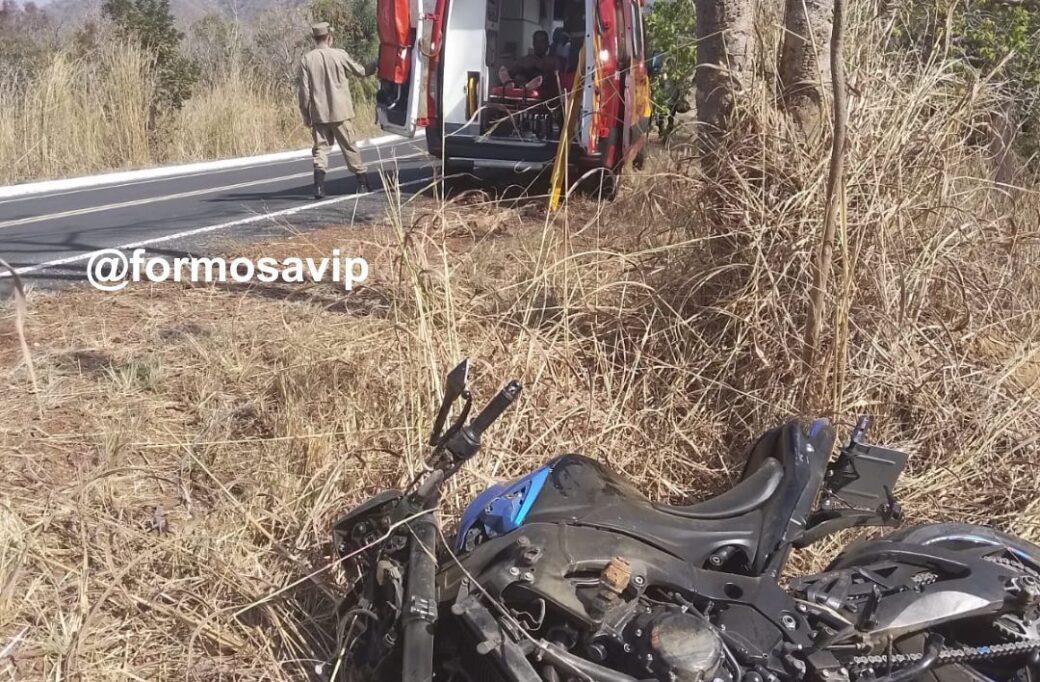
<point>768,530</point>
<point>757,596</point>
<point>764,522</point>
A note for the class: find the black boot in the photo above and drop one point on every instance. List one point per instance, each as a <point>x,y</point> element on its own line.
<point>319,184</point>
<point>362,183</point>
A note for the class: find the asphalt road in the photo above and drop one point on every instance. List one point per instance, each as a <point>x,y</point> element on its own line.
<point>50,237</point>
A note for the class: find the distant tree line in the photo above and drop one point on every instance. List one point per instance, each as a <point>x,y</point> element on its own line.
<point>24,37</point>
<point>267,45</point>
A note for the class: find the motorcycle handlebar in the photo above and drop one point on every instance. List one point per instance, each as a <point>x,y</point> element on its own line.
<point>465,444</point>
<point>506,397</point>
<point>421,593</point>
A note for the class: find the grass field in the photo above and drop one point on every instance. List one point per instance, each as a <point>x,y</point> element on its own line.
<point>168,489</point>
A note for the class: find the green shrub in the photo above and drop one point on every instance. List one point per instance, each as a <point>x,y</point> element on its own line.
<point>150,24</point>
<point>994,37</point>
<point>669,33</point>
<point>353,24</point>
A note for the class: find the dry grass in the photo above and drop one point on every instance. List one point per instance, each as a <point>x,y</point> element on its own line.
<point>162,518</point>
<point>80,116</point>
<point>76,118</point>
<point>236,116</point>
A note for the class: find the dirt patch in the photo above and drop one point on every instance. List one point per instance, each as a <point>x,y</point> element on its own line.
<point>1021,360</point>
<point>83,361</point>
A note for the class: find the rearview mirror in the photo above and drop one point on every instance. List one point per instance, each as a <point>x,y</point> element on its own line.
<point>456,384</point>
<point>454,388</point>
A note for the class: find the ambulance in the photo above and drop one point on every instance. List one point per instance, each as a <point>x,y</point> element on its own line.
<point>477,76</point>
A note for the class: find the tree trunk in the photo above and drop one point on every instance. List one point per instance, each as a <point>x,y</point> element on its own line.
<point>1003,130</point>
<point>804,62</point>
<point>725,47</point>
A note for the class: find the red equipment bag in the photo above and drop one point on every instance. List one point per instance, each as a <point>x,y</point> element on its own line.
<point>394,28</point>
<point>514,94</point>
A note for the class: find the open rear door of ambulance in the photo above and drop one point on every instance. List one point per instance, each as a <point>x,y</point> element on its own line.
<point>402,63</point>
<point>589,103</point>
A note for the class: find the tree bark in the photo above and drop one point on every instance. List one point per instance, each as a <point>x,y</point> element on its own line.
<point>1003,130</point>
<point>725,47</point>
<point>804,62</point>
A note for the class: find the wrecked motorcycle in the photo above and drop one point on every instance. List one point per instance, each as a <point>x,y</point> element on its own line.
<point>570,573</point>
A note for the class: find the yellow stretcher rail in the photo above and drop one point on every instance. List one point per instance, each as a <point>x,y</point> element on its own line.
<point>558,180</point>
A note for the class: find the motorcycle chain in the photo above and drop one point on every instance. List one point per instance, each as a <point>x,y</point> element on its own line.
<point>968,654</point>
<point>1013,565</point>
<point>1024,645</point>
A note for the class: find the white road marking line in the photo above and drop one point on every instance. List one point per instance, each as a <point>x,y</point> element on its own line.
<point>202,230</point>
<point>180,176</point>
<point>169,197</point>
<point>166,171</point>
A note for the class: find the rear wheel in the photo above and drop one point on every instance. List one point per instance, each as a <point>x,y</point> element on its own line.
<point>1019,555</point>
<point>966,536</point>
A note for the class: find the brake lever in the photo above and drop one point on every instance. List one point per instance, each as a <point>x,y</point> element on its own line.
<point>461,421</point>
<point>437,437</point>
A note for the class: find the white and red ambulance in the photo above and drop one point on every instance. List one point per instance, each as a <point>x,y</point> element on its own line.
<point>475,74</point>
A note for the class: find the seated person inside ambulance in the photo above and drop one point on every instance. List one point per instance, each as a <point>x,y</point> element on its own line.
<point>536,71</point>
<point>570,49</point>
<point>561,49</point>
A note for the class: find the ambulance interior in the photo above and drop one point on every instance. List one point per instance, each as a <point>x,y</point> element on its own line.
<point>509,65</point>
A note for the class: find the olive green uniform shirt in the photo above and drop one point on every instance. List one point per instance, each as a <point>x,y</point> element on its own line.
<point>322,85</point>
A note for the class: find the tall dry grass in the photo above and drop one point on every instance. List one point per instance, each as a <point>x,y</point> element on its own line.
<point>237,115</point>
<point>168,515</point>
<point>85,115</point>
<point>8,128</point>
<point>75,117</point>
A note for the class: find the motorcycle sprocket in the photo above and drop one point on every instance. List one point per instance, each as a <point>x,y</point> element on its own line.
<point>1013,626</point>
<point>1016,628</point>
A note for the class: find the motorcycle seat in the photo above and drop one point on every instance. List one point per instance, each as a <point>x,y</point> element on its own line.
<point>763,475</point>
<point>747,496</point>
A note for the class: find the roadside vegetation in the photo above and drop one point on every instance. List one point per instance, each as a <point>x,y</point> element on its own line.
<point>130,88</point>
<point>671,29</point>
<point>168,490</point>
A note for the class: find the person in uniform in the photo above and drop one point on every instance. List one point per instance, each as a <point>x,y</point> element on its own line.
<point>327,108</point>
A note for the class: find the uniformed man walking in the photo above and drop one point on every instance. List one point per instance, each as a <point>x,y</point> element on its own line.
<point>327,108</point>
